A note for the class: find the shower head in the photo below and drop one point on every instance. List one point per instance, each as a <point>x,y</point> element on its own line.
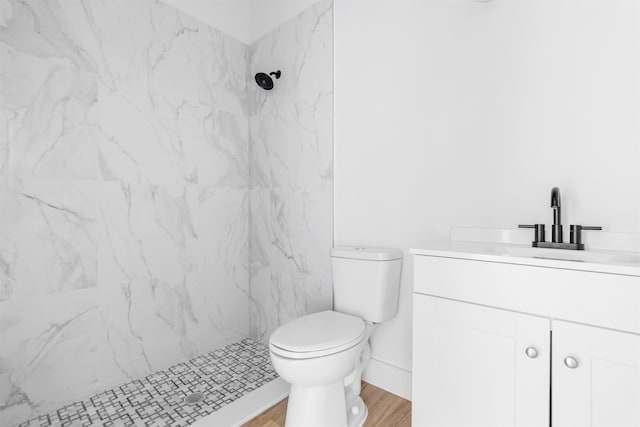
<point>265,81</point>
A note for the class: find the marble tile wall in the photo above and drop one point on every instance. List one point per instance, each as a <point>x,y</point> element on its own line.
<point>154,203</point>
<point>124,196</point>
<point>291,168</point>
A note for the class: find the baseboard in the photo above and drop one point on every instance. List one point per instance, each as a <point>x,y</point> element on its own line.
<point>248,406</point>
<point>388,377</point>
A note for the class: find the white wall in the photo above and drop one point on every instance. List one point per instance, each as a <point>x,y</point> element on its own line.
<point>463,113</point>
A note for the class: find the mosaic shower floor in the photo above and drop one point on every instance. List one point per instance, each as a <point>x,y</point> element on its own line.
<point>157,400</point>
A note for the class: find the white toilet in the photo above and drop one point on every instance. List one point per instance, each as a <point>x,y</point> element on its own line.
<point>322,355</point>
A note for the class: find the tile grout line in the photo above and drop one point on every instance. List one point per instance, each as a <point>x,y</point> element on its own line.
<point>156,400</point>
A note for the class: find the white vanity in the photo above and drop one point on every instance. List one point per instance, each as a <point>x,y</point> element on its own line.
<point>507,335</point>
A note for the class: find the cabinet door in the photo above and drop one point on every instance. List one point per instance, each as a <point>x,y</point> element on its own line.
<point>602,387</point>
<point>471,368</point>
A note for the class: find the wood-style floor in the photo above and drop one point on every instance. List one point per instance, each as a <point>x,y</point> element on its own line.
<point>385,410</point>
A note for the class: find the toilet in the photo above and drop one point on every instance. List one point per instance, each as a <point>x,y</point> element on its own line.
<point>322,355</point>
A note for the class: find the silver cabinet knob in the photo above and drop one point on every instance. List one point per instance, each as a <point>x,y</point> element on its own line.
<point>531,352</point>
<point>570,362</point>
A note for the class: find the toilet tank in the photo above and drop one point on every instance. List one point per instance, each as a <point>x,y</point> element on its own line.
<point>366,281</point>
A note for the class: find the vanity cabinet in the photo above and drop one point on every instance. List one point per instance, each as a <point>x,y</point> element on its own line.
<point>471,366</point>
<point>517,345</point>
<point>603,390</point>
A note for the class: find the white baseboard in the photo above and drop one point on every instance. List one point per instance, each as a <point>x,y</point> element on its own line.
<point>388,377</point>
<point>248,406</point>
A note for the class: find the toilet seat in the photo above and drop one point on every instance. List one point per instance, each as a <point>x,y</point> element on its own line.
<point>316,335</point>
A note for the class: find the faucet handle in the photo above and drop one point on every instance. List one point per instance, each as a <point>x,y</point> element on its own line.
<point>538,233</point>
<point>575,232</point>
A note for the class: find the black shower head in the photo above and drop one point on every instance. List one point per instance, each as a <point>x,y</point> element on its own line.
<point>265,81</point>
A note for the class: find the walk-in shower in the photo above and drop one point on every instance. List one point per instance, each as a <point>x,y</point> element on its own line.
<point>135,138</point>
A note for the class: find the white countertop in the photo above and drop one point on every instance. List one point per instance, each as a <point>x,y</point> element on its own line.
<point>601,261</point>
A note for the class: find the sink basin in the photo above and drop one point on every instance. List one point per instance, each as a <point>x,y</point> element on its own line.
<point>597,257</point>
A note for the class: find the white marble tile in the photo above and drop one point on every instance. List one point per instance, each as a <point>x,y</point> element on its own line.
<point>172,99</point>
<point>49,352</point>
<point>8,250</point>
<point>291,151</point>
<point>125,174</point>
<point>290,266</point>
<point>56,31</point>
<point>173,276</point>
<point>48,114</point>
<point>50,231</point>
<point>48,307</point>
<point>291,126</point>
<point>134,180</point>
<point>220,288</point>
<point>172,90</point>
<point>201,144</point>
<point>179,119</point>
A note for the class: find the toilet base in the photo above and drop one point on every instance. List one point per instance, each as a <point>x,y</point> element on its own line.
<point>317,406</point>
<point>357,413</point>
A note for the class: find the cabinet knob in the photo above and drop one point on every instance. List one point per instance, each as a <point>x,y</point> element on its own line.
<point>531,352</point>
<point>570,362</point>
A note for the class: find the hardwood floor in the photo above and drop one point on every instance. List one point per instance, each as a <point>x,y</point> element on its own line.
<point>385,410</point>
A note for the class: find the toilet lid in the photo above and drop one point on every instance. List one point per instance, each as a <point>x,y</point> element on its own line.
<point>317,332</point>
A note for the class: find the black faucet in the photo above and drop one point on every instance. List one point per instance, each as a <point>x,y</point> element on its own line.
<point>575,236</point>
<point>556,228</point>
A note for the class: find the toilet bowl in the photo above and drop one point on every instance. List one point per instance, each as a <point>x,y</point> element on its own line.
<point>315,354</point>
<point>323,355</point>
